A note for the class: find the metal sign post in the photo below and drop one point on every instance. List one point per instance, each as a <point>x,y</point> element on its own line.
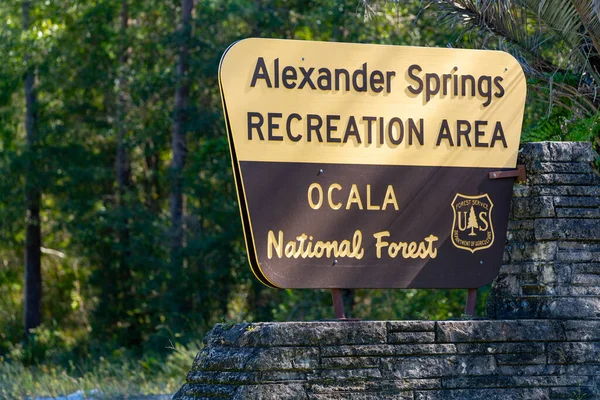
<point>338,303</point>
<point>471,302</point>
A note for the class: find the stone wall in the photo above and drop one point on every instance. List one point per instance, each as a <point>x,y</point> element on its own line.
<point>420,360</point>
<point>552,258</point>
<point>542,343</point>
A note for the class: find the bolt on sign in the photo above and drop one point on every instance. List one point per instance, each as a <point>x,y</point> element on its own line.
<point>366,166</point>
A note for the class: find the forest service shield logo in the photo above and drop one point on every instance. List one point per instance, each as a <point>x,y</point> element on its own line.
<point>472,227</point>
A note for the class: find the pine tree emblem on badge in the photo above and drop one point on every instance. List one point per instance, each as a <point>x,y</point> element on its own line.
<point>472,227</point>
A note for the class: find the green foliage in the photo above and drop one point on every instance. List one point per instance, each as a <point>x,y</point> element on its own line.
<point>561,124</point>
<point>43,344</point>
<point>579,394</point>
<point>116,375</point>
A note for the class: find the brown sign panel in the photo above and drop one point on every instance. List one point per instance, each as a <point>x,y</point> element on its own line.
<point>363,166</point>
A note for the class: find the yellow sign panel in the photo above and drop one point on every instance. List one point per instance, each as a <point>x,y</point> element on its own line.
<point>341,103</point>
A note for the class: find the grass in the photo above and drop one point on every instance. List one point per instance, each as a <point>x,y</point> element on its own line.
<point>118,378</point>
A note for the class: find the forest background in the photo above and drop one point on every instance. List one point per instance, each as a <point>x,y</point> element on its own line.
<point>120,238</point>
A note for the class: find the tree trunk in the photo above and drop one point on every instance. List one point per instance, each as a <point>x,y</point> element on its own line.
<point>123,170</point>
<point>33,236</point>
<point>122,167</point>
<point>179,143</point>
<point>152,182</point>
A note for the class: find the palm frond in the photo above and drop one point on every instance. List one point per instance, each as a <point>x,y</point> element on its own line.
<point>504,19</point>
<point>562,19</point>
<point>548,37</point>
<point>589,13</point>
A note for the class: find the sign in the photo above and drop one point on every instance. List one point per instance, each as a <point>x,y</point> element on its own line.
<point>366,166</point>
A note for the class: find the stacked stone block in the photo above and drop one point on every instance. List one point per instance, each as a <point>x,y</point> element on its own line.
<point>417,360</point>
<point>552,258</point>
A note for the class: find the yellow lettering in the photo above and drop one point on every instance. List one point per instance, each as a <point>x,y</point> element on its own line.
<point>432,252</point>
<point>390,198</point>
<point>369,205</point>
<point>395,248</point>
<point>319,249</point>
<point>462,222</point>
<point>334,206</point>
<point>290,249</point>
<point>344,249</point>
<point>309,251</point>
<point>311,188</point>
<point>483,221</point>
<point>300,252</point>
<point>304,247</point>
<point>357,250</point>
<point>331,247</point>
<point>422,252</point>
<point>275,243</point>
<point>409,251</point>
<point>354,197</point>
<point>422,249</point>
<point>380,243</point>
